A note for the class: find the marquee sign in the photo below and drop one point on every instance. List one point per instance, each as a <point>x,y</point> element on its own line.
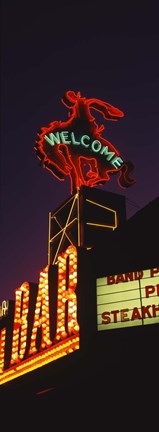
<point>129,299</point>
<point>76,148</point>
<point>43,331</point>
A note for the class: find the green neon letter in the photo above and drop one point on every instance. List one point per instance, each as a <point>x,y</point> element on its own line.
<point>73,139</point>
<point>83,138</point>
<point>99,145</point>
<point>107,153</point>
<point>52,139</point>
<point>117,162</point>
<point>64,137</point>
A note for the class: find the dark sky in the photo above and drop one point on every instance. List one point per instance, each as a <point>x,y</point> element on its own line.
<point>109,52</point>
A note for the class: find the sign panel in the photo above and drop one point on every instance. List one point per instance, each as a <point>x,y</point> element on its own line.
<point>128,299</point>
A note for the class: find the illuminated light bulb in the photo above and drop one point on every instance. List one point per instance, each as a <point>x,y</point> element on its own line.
<point>70,311</point>
<point>43,274</point>
<point>59,310</point>
<point>47,337</point>
<point>63,259</point>
<point>64,334</point>
<point>60,324</point>
<point>60,290</point>
<point>71,303</point>
<point>71,255</point>
<point>75,281</point>
<point>43,345</point>
<point>36,323</point>
<point>24,326</point>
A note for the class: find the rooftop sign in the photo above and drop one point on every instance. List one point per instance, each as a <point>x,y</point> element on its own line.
<point>76,148</point>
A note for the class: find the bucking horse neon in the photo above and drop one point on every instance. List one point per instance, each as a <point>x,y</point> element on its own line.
<point>76,148</point>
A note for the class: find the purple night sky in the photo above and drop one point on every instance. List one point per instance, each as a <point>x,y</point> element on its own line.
<point>109,54</point>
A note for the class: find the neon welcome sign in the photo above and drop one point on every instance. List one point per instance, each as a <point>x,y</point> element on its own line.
<point>76,148</point>
<point>56,324</point>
